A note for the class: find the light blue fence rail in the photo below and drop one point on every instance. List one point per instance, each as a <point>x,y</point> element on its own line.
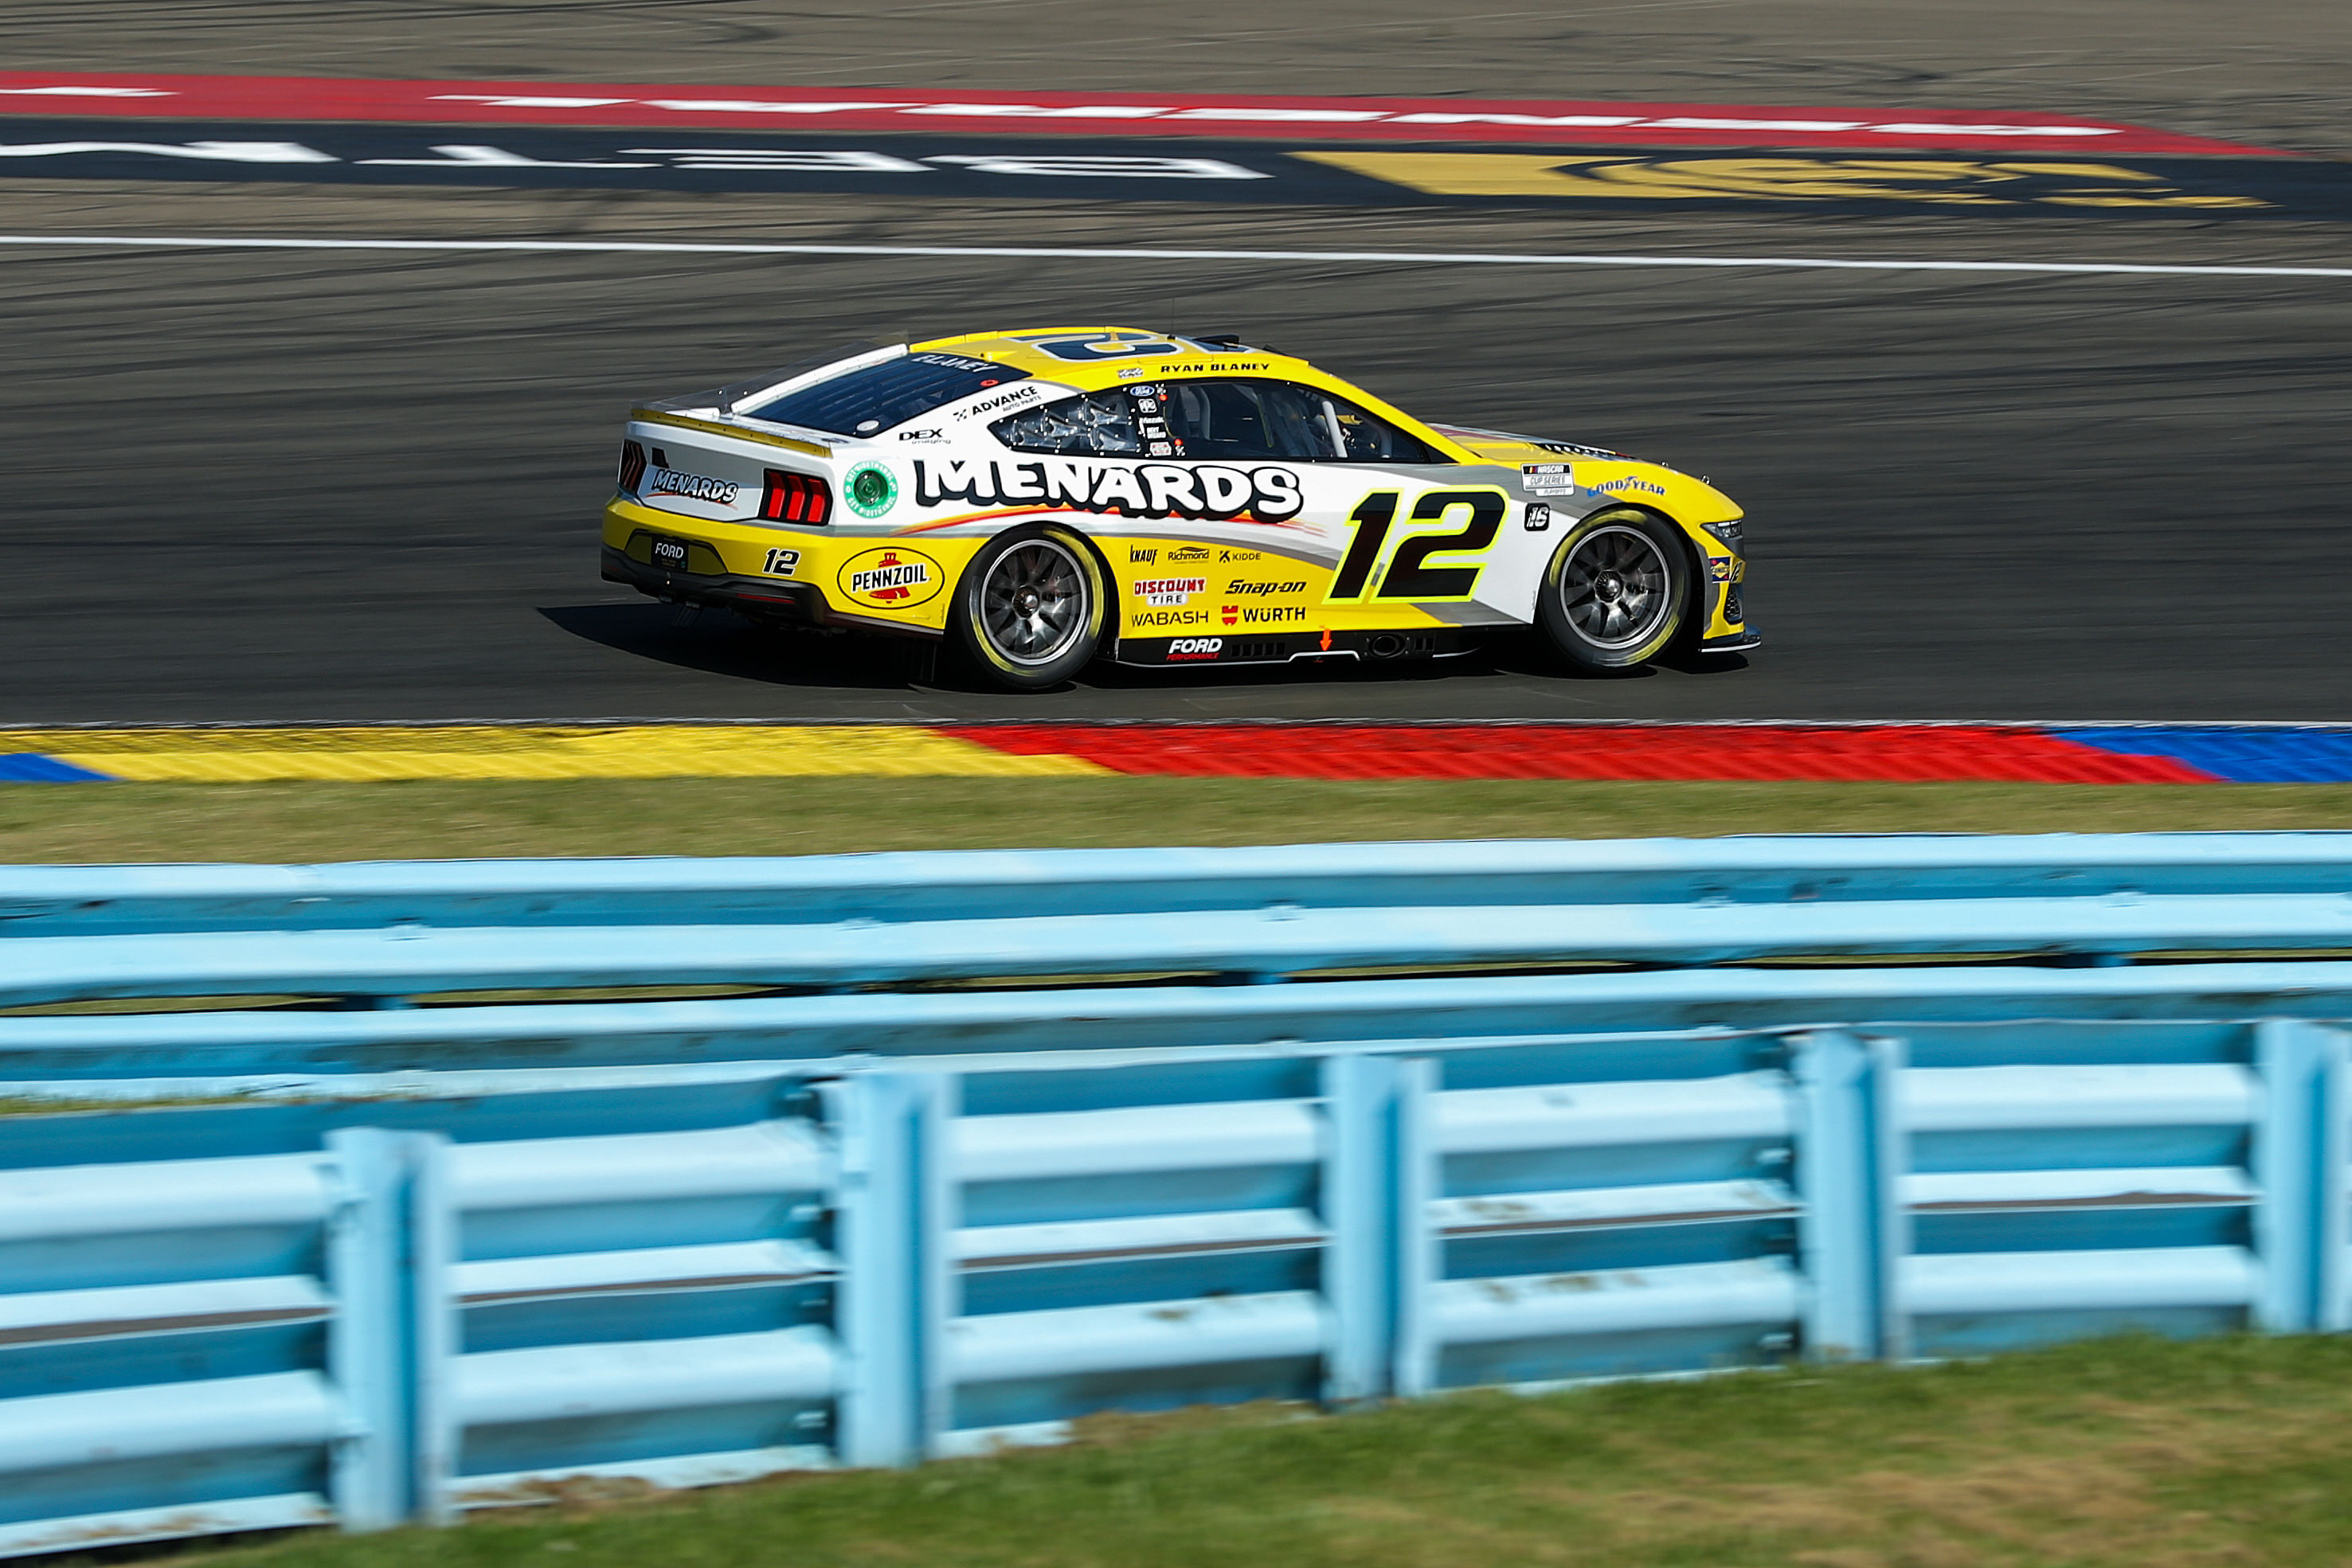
<point>1010,1140</point>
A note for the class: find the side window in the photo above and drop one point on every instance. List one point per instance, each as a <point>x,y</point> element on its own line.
<point>1367,438</point>
<point>1236,421</point>
<point>1098,425</point>
<point>1259,419</point>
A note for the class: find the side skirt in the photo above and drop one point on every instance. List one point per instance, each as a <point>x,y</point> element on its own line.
<point>1283,647</point>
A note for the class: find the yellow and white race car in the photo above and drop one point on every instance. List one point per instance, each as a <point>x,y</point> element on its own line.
<point>1043,498</point>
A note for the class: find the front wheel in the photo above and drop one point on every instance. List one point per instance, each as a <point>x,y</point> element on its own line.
<point>1617,590</point>
<point>1029,611</point>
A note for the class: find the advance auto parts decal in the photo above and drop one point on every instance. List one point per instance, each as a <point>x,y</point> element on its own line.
<point>893,578</point>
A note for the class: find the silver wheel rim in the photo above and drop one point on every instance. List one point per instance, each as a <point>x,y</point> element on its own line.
<point>1615,587</point>
<point>1033,603</point>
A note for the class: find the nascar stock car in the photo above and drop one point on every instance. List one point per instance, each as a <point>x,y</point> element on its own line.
<point>1042,498</point>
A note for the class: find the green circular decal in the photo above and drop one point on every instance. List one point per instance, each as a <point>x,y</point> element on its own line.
<point>872,491</point>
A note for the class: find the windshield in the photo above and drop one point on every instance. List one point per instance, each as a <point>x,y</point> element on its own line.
<point>876,397</point>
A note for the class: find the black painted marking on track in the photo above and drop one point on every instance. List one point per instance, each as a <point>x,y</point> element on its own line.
<point>967,167</point>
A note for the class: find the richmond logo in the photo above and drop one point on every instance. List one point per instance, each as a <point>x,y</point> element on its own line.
<point>1211,490</point>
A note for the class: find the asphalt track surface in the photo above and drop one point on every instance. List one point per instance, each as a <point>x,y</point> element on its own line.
<point>354,485</point>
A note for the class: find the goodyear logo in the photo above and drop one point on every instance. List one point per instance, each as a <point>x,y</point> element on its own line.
<point>892,578</point>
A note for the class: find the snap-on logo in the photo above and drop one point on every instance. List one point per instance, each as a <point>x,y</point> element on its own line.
<point>892,578</point>
<point>1264,588</point>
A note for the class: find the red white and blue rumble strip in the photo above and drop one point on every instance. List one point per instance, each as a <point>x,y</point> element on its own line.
<point>1819,753</point>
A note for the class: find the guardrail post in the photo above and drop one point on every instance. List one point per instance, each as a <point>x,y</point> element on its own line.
<point>1849,1158</point>
<point>895,1199</point>
<point>2300,1157</point>
<point>1378,1180</point>
<point>392,1344</point>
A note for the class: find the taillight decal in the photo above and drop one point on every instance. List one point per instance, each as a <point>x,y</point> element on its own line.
<point>795,498</point>
<point>633,465</point>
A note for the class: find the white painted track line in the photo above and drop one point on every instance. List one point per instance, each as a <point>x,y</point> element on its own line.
<point>1089,253</point>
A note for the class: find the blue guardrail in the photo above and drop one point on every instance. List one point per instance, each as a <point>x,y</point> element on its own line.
<point>432,1186</point>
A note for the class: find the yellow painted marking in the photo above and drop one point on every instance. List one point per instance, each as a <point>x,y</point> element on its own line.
<point>1939,181</point>
<point>489,752</point>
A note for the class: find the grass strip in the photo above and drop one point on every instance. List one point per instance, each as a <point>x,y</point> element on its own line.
<point>432,820</point>
<point>2116,1454</point>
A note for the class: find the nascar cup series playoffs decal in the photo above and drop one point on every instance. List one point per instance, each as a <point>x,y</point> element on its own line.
<point>1216,491</point>
<point>895,577</point>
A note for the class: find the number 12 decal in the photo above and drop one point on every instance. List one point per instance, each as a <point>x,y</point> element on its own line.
<point>1410,575</point>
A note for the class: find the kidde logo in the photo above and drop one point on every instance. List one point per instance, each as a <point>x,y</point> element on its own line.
<point>1195,647</point>
<point>890,578</point>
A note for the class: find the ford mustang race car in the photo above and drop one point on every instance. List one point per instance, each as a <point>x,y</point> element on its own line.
<point>1043,498</point>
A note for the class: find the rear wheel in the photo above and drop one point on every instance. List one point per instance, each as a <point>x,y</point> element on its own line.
<point>1029,612</point>
<point>1617,591</point>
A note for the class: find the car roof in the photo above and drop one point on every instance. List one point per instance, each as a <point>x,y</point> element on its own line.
<point>1031,349</point>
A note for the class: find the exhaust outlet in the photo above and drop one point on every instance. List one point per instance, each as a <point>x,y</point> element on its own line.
<point>1387,645</point>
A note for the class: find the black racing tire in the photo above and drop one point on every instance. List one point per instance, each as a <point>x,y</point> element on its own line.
<point>1029,610</point>
<point>1617,593</point>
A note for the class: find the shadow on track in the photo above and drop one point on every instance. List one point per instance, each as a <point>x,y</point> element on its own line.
<point>719,642</point>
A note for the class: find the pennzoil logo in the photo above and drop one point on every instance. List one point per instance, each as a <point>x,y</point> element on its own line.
<point>892,578</point>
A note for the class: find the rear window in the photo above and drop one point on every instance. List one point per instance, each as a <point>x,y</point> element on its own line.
<point>890,393</point>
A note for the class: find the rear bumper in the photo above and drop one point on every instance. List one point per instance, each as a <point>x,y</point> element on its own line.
<point>761,597</point>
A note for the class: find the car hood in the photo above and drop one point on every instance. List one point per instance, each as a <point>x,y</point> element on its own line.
<point>1601,470</point>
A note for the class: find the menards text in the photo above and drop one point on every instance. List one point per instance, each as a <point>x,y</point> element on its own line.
<point>1215,490</point>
